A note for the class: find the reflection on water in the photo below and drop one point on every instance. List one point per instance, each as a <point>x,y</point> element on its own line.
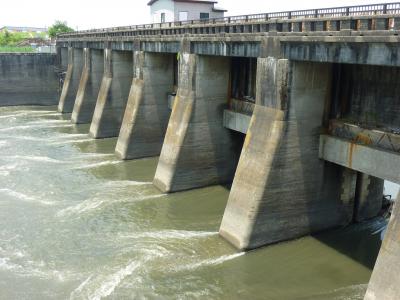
<point>76,223</point>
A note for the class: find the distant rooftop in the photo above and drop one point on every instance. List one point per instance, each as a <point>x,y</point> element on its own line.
<point>190,1</point>
<point>23,29</point>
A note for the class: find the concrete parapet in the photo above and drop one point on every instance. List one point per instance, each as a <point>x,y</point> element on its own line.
<point>147,113</point>
<point>113,94</point>
<point>89,86</point>
<point>282,190</point>
<point>385,280</point>
<point>72,79</point>
<point>198,151</point>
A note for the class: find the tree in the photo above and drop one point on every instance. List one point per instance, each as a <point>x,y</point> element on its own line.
<point>59,27</point>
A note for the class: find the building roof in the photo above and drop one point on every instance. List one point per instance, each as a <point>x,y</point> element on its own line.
<point>219,9</point>
<point>28,29</point>
<point>190,1</point>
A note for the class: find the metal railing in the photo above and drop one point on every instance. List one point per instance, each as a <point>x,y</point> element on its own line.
<point>334,12</point>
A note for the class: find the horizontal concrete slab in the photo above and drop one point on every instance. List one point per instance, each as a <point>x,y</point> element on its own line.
<point>372,161</point>
<point>236,121</point>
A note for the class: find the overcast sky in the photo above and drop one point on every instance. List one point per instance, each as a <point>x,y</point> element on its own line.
<point>86,14</point>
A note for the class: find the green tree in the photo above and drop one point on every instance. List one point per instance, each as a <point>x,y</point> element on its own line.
<point>59,27</point>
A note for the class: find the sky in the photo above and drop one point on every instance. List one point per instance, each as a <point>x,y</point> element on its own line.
<point>87,14</point>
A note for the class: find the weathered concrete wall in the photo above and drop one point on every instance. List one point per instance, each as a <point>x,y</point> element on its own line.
<point>72,79</point>
<point>281,189</point>
<point>346,50</point>
<point>28,79</point>
<point>113,94</point>
<point>198,151</point>
<point>89,86</point>
<point>147,114</point>
<point>385,280</point>
<point>64,58</point>
<point>369,197</point>
<point>370,95</point>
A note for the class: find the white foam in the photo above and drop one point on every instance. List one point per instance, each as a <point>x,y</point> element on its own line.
<point>45,121</point>
<point>125,183</point>
<point>209,262</point>
<point>99,164</point>
<point>171,234</point>
<point>6,265</point>
<point>72,142</point>
<point>113,281</point>
<point>97,203</point>
<point>34,158</point>
<point>34,126</point>
<point>24,197</point>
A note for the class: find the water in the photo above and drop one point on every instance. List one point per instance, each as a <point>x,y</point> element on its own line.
<point>76,223</point>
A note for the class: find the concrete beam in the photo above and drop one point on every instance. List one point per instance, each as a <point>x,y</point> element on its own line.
<point>385,280</point>
<point>147,113</point>
<point>89,86</point>
<point>372,161</point>
<point>366,53</point>
<point>72,80</point>
<point>113,94</point>
<point>236,121</point>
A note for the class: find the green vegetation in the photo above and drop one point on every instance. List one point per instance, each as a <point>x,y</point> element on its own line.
<point>9,41</point>
<point>59,27</point>
<point>8,49</point>
<point>12,39</point>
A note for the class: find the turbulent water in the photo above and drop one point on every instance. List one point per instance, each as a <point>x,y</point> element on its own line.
<point>76,223</point>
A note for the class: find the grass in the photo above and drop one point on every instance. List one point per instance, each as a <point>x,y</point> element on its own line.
<point>15,49</point>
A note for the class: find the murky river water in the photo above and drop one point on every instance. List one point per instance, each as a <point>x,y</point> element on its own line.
<point>76,223</point>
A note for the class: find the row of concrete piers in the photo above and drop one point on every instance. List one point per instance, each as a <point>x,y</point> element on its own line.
<point>281,189</point>
<point>285,182</point>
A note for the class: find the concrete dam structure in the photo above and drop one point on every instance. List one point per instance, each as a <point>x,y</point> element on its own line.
<point>297,111</point>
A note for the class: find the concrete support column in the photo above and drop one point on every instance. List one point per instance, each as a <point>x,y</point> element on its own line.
<point>63,58</point>
<point>89,86</point>
<point>113,94</point>
<point>198,150</point>
<point>282,190</point>
<point>71,82</point>
<point>147,114</point>
<point>369,197</point>
<point>385,280</point>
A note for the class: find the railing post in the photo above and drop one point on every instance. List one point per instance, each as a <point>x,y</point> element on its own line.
<point>316,13</point>
<point>347,11</point>
<point>289,15</point>
<point>385,9</point>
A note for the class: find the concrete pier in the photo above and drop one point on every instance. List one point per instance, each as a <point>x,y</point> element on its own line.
<point>198,151</point>
<point>147,114</point>
<point>281,189</point>
<point>71,81</point>
<point>113,94</point>
<point>89,86</point>
<point>385,280</point>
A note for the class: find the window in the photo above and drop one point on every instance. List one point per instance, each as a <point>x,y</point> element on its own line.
<point>183,16</point>
<point>162,17</point>
<point>204,16</point>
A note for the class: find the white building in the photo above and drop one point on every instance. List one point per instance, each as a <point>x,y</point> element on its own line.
<point>182,10</point>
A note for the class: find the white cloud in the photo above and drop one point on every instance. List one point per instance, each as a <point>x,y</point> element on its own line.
<point>86,14</point>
